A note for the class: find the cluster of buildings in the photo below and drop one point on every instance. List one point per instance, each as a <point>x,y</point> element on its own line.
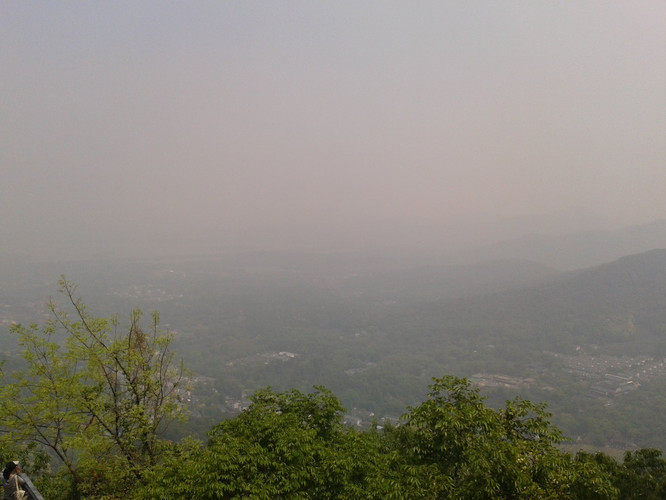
<point>263,358</point>
<point>613,376</point>
<point>489,380</point>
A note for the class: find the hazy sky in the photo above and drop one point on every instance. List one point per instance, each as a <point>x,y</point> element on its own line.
<point>133,127</point>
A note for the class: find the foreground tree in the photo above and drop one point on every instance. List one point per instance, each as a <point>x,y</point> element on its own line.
<point>93,394</point>
<point>293,445</point>
<point>486,453</point>
<point>641,475</point>
<point>286,445</point>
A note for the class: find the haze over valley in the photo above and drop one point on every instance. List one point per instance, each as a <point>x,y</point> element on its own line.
<point>362,196</point>
<point>374,329</point>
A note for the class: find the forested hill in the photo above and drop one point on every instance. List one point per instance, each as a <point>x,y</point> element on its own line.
<point>577,250</point>
<point>623,301</point>
<point>443,282</point>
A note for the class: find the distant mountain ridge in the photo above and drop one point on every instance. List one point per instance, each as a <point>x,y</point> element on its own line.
<point>449,282</point>
<point>577,250</point>
<point>619,302</point>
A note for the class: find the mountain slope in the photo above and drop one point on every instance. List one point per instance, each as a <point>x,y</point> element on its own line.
<point>579,250</point>
<point>623,301</point>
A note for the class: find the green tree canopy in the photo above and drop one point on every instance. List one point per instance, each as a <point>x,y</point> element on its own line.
<point>94,394</point>
<point>493,453</point>
<point>293,445</point>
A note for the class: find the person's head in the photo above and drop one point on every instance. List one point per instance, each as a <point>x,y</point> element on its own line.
<point>10,468</point>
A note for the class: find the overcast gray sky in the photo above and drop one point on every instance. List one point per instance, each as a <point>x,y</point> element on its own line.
<point>140,127</point>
